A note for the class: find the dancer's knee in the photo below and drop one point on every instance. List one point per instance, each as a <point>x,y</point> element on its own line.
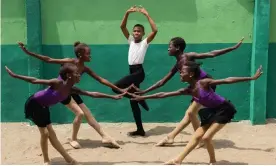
<point>191,113</point>
<point>79,116</point>
<point>198,135</point>
<point>44,134</point>
<point>52,133</point>
<point>206,139</point>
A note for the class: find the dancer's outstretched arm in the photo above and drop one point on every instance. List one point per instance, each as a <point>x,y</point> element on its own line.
<point>183,91</point>
<point>101,80</point>
<point>45,58</point>
<point>231,80</point>
<point>214,53</point>
<point>97,94</point>
<point>106,82</point>
<point>34,80</point>
<point>160,83</point>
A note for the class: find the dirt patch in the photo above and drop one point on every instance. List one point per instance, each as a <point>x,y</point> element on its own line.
<point>238,143</point>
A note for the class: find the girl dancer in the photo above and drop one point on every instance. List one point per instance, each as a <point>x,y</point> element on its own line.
<point>217,113</point>
<point>176,49</point>
<point>74,101</point>
<point>136,54</point>
<point>37,105</point>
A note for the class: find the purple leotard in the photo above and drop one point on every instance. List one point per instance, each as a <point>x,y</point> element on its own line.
<point>76,97</point>
<point>48,97</point>
<point>203,74</point>
<point>208,98</point>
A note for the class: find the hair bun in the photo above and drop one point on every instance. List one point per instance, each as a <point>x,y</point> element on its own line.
<point>76,43</point>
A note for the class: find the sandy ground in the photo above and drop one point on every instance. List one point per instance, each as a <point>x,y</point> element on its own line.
<point>238,143</point>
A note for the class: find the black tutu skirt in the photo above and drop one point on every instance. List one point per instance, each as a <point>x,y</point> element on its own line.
<point>37,113</point>
<point>222,114</point>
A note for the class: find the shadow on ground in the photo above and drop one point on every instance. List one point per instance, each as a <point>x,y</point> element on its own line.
<point>61,161</point>
<point>160,130</point>
<point>223,143</point>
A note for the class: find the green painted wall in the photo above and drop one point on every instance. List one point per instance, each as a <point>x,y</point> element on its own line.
<point>203,29</point>
<point>13,29</point>
<point>271,82</point>
<point>199,21</point>
<point>273,22</point>
<point>13,21</point>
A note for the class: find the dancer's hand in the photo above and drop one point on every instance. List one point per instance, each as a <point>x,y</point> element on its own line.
<point>10,72</point>
<point>132,9</point>
<point>116,97</point>
<point>140,92</point>
<point>128,88</point>
<point>132,86</point>
<point>137,98</point>
<point>21,45</point>
<point>135,88</point>
<point>239,43</point>
<point>258,73</point>
<point>144,11</point>
<point>125,91</point>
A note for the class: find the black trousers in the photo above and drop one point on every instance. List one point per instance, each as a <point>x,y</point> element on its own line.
<point>136,76</point>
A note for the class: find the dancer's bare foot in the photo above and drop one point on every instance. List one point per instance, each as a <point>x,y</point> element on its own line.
<point>165,141</point>
<point>47,163</point>
<point>172,162</point>
<point>75,144</point>
<point>213,162</point>
<point>201,144</point>
<point>107,141</point>
<point>73,162</point>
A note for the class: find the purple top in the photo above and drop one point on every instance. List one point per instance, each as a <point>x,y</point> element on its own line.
<point>203,74</point>
<point>208,98</point>
<point>48,97</point>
